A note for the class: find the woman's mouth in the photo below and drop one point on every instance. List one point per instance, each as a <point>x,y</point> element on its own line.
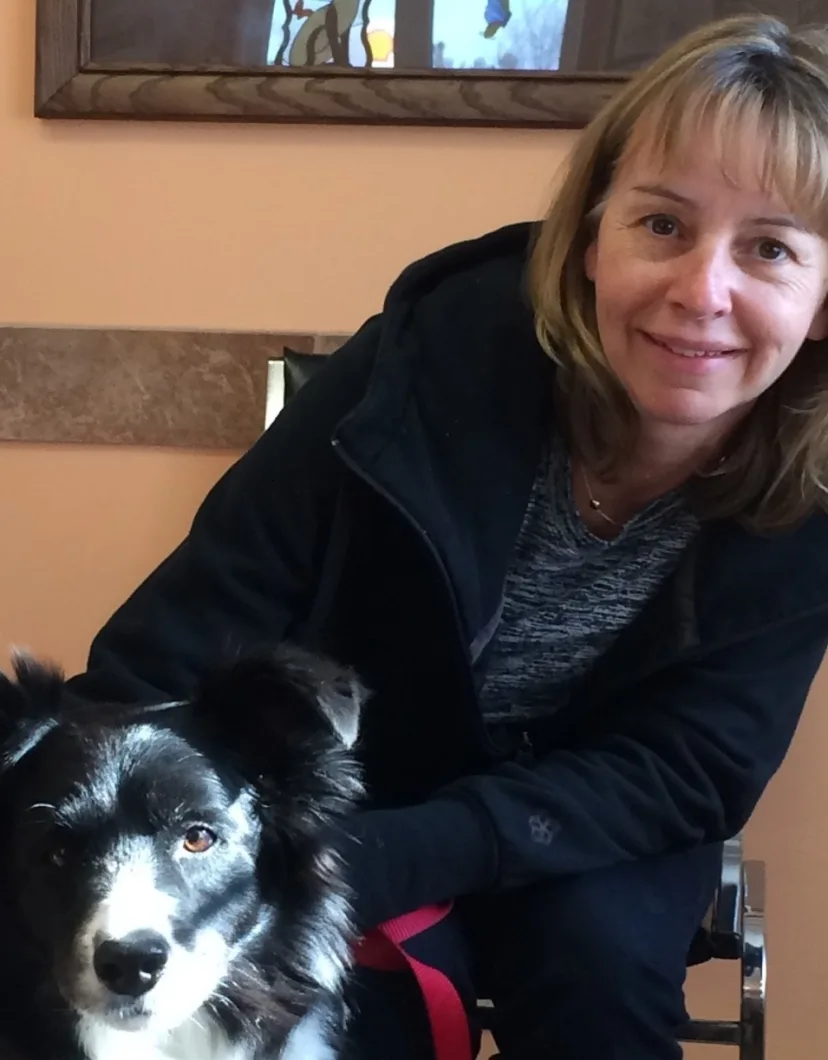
<point>692,351</point>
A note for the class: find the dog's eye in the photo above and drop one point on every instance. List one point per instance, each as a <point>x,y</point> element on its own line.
<point>56,856</point>
<point>198,839</point>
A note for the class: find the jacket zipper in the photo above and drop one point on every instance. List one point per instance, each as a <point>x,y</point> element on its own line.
<point>526,752</point>
<point>471,695</point>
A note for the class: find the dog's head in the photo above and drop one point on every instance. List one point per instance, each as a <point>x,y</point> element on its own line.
<point>149,845</point>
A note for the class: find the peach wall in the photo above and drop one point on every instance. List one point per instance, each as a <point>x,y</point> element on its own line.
<point>283,228</point>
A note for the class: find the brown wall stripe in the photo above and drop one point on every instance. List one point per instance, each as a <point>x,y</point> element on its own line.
<point>186,389</point>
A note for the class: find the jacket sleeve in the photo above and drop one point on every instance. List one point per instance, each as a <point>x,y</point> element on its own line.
<point>246,572</point>
<point>685,763</point>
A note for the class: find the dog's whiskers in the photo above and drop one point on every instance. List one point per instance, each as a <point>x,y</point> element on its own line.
<point>198,1022</point>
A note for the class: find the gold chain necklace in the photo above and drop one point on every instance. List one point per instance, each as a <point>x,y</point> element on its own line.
<point>594,504</point>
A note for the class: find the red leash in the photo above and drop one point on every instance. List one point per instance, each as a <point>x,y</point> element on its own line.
<point>382,950</point>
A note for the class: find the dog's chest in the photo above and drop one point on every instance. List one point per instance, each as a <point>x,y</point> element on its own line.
<point>200,1038</point>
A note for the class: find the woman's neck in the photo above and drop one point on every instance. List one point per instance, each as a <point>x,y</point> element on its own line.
<point>665,457</point>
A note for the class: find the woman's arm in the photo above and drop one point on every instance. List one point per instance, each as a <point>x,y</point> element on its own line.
<point>686,763</point>
<point>246,574</point>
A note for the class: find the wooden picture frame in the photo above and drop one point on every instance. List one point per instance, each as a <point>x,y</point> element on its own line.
<point>69,84</point>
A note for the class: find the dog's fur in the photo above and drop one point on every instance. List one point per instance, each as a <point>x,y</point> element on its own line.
<point>104,811</point>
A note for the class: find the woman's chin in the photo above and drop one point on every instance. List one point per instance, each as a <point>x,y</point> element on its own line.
<point>683,410</point>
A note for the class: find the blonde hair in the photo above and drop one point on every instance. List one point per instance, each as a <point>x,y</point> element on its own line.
<point>749,74</point>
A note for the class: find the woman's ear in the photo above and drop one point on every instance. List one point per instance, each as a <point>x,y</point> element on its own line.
<point>592,223</point>
<point>591,258</point>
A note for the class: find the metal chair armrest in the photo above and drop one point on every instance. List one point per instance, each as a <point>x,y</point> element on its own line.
<point>725,923</point>
<point>754,963</point>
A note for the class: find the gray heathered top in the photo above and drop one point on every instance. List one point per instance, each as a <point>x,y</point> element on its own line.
<point>569,593</point>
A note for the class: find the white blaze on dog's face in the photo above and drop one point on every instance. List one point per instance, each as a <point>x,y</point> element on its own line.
<point>131,948</point>
<point>144,877</point>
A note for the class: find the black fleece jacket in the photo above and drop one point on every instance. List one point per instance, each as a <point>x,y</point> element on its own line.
<point>375,519</point>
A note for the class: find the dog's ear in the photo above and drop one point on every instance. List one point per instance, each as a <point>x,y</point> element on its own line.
<point>286,721</point>
<point>29,706</point>
<point>288,695</point>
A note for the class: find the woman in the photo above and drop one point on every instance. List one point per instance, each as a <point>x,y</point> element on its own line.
<point>561,503</point>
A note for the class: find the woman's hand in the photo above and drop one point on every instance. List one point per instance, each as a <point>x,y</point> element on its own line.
<point>399,860</point>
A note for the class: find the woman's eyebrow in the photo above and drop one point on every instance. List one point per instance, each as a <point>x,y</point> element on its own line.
<point>776,220</point>
<point>663,193</point>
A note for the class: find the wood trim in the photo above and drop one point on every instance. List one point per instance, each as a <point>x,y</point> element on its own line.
<point>101,386</point>
<point>69,85</point>
<point>58,55</point>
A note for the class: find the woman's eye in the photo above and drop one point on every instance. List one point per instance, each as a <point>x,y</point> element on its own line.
<point>772,250</point>
<point>661,224</point>
<point>198,839</point>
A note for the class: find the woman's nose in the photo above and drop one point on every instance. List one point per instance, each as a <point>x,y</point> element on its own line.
<point>703,281</point>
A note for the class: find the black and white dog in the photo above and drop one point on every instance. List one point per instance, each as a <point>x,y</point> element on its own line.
<point>168,888</point>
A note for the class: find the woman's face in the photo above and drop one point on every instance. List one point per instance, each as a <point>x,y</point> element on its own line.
<point>705,288</point>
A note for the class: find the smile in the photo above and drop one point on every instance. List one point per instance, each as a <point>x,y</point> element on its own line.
<point>692,352</point>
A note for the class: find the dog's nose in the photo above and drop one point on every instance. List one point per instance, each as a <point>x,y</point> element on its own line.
<point>131,965</point>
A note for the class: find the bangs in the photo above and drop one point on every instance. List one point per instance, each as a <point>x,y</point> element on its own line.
<point>768,143</point>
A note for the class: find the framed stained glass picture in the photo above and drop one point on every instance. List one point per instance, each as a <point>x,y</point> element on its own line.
<point>541,63</point>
